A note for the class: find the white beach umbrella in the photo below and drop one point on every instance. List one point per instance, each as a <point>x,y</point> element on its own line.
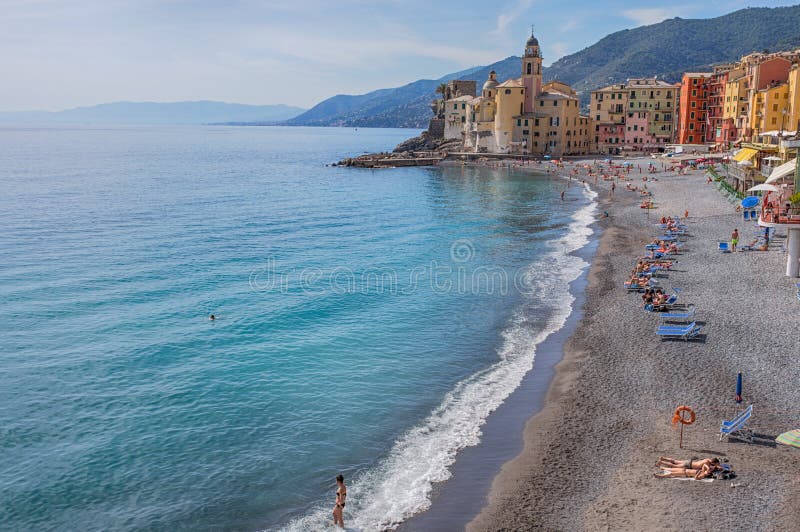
<point>765,188</point>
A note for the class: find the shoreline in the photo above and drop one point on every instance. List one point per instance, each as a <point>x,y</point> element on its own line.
<point>588,454</point>
<point>476,466</point>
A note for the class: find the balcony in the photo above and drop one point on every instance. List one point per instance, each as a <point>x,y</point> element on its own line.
<point>774,214</point>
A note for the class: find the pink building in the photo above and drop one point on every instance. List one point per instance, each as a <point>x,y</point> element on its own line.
<point>610,138</point>
<point>637,134</point>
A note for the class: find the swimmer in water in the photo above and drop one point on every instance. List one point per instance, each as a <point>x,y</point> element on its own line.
<point>212,317</point>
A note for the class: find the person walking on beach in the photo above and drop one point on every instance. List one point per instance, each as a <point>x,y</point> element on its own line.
<point>734,239</point>
<point>341,494</point>
<point>613,188</point>
<point>562,195</point>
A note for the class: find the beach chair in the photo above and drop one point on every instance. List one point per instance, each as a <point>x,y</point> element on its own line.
<point>723,247</point>
<point>678,316</point>
<point>735,428</point>
<point>677,332</point>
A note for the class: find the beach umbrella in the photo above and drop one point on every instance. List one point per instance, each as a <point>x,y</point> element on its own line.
<point>739,388</point>
<point>745,163</point>
<point>764,187</point>
<point>790,438</point>
<point>750,201</point>
<point>772,158</point>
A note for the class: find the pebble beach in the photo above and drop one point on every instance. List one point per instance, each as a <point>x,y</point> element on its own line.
<point>589,455</point>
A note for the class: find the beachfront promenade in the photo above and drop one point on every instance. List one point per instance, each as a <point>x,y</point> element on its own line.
<point>589,456</point>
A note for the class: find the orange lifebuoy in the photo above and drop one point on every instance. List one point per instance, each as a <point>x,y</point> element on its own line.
<point>678,416</point>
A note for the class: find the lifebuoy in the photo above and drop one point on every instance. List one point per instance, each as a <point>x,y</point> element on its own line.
<point>678,416</point>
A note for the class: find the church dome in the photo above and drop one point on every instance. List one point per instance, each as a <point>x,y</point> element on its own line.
<point>532,41</point>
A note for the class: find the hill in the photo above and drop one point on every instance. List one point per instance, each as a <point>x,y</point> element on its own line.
<point>153,113</point>
<point>666,49</point>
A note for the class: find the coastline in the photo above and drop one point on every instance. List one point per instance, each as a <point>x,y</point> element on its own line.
<point>588,454</point>
<point>459,499</point>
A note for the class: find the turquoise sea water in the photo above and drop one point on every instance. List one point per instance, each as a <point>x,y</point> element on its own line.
<point>367,323</point>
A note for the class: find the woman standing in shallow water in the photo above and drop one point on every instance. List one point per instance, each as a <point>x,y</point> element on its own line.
<point>341,494</point>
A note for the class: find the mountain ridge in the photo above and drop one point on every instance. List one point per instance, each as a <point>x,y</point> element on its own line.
<point>628,53</point>
<point>158,113</point>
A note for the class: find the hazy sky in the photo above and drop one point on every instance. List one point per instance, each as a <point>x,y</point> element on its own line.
<point>56,54</point>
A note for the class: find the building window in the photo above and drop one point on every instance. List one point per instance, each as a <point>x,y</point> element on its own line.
<point>519,121</point>
<point>691,125</point>
<point>526,122</point>
<point>463,119</point>
<point>508,91</point>
<point>455,106</point>
<point>555,103</point>
<point>669,94</point>
<point>530,66</point>
<point>541,103</point>
<point>463,106</point>
<point>536,122</point>
<point>691,138</point>
<point>774,106</point>
<point>525,132</point>
<point>774,120</point>
<point>694,92</point>
<point>691,115</point>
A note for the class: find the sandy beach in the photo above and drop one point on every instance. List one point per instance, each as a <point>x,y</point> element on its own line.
<point>589,455</point>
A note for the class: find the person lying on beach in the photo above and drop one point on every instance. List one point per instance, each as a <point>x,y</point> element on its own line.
<point>705,471</point>
<point>692,463</point>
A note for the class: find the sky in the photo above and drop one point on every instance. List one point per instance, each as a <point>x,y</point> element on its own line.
<point>58,54</point>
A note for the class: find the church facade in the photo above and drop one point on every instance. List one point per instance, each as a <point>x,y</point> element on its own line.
<point>521,116</point>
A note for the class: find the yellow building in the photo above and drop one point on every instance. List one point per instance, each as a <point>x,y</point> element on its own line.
<point>793,120</point>
<point>609,104</point>
<point>525,116</point>
<point>736,104</point>
<point>770,109</point>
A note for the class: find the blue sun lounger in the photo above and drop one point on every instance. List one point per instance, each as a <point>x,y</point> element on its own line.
<point>679,332</point>
<point>735,427</point>
<point>678,316</point>
<point>723,247</point>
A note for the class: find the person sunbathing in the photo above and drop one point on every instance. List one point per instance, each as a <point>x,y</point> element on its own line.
<point>692,463</point>
<point>704,471</point>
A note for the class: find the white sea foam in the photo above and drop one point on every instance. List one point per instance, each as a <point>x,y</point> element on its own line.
<point>401,486</point>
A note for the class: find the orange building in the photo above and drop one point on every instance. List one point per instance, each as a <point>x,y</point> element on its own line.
<point>693,108</point>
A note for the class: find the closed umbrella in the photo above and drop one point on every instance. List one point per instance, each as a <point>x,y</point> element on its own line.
<point>790,438</point>
<point>739,388</point>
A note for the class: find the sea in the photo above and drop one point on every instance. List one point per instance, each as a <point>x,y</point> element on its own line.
<point>367,322</point>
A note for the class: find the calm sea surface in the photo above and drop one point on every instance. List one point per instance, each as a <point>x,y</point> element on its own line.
<point>367,323</point>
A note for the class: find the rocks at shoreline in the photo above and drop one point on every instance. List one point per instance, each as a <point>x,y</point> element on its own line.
<point>417,151</point>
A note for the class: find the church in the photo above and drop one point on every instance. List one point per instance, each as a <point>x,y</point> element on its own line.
<point>521,116</point>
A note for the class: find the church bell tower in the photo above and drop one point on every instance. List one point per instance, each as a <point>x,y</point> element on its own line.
<point>531,72</point>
